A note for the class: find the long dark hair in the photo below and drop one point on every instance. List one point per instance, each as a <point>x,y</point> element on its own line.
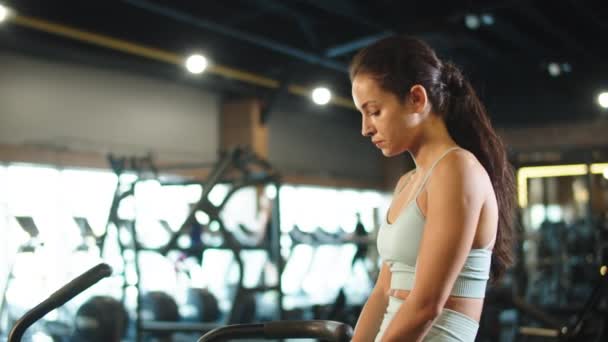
<point>399,62</point>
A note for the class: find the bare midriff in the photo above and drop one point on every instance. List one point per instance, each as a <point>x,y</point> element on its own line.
<point>467,306</point>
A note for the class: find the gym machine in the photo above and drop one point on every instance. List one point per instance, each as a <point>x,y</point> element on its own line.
<point>588,324</point>
<point>325,330</point>
<point>238,168</point>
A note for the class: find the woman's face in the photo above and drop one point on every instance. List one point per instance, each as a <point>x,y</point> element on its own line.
<point>392,125</point>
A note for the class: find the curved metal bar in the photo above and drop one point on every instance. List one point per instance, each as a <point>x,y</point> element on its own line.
<point>58,298</point>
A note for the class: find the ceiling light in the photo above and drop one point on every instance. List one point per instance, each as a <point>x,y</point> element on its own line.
<point>3,13</point>
<point>599,168</point>
<point>321,95</point>
<point>525,173</point>
<point>602,99</point>
<point>271,191</point>
<point>471,21</point>
<point>196,64</point>
<point>487,19</point>
<point>554,69</point>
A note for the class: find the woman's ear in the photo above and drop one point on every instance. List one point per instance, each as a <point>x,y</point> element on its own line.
<point>418,98</point>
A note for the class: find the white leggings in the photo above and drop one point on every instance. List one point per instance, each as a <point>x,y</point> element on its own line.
<point>450,326</point>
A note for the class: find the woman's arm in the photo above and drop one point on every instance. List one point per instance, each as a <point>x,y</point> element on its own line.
<point>456,193</point>
<point>371,316</point>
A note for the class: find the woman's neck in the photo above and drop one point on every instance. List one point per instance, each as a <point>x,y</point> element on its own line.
<point>433,141</point>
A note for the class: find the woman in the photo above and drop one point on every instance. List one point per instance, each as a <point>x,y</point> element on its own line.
<point>449,228</point>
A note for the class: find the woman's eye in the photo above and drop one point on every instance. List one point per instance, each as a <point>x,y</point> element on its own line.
<point>375,113</point>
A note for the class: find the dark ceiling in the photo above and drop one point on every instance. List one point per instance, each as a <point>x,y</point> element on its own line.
<point>310,42</point>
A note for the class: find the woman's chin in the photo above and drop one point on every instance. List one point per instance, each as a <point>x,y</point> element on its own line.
<point>387,152</point>
<point>391,153</point>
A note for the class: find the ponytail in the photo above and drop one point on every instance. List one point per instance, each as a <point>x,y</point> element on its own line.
<point>469,125</point>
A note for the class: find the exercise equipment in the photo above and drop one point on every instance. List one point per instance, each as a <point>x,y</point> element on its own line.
<point>310,283</point>
<point>318,245</point>
<point>28,248</point>
<point>565,260</point>
<point>237,168</point>
<point>206,305</point>
<point>100,319</point>
<point>588,324</point>
<point>341,310</point>
<point>299,236</point>
<point>159,306</point>
<point>29,226</point>
<point>322,330</point>
<point>244,307</point>
<point>58,298</point>
<point>86,234</point>
<point>362,249</point>
<point>319,329</point>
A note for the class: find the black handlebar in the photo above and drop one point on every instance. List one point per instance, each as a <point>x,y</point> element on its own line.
<point>323,330</point>
<point>58,298</point>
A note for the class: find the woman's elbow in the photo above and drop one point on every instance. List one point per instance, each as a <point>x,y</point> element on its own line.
<point>434,311</point>
<point>429,309</point>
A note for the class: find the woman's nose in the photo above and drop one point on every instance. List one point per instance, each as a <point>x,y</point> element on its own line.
<point>366,128</point>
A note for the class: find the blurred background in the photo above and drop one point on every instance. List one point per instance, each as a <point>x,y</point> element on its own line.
<point>211,153</point>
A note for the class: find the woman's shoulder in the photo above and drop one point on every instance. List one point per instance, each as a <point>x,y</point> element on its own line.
<point>463,160</point>
<point>461,166</point>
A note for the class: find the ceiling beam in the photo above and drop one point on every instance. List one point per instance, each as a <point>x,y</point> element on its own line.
<point>573,44</point>
<point>506,31</point>
<point>239,35</point>
<point>353,45</point>
<point>345,10</point>
<point>301,21</point>
<point>588,13</point>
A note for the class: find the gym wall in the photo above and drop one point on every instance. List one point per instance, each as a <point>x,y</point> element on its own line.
<point>81,108</point>
<point>305,143</point>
